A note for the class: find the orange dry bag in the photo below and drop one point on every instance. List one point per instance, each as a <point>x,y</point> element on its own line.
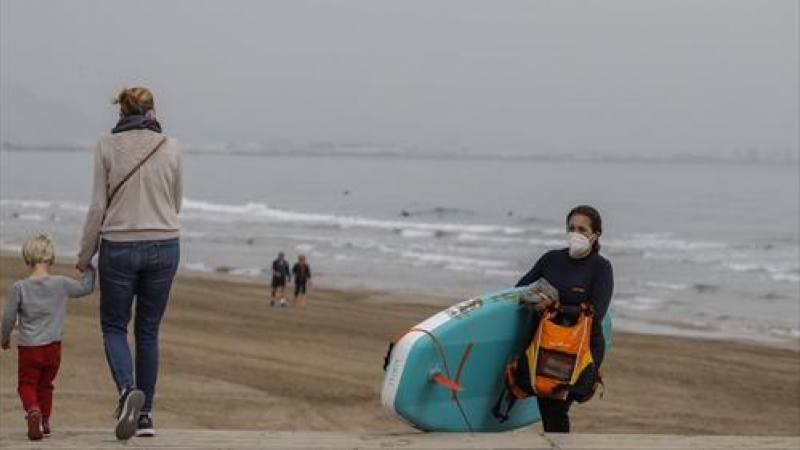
<point>559,354</point>
<point>557,363</point>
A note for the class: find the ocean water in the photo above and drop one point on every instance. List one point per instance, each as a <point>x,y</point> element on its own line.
<point>698,249</point>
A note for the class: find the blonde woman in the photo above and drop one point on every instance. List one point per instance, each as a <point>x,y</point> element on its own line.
<point>133,223</point>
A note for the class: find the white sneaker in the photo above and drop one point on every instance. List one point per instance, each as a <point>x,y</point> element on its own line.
<point>283,302</point>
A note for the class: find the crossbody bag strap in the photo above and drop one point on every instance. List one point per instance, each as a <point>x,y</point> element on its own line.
<point>130,174</point>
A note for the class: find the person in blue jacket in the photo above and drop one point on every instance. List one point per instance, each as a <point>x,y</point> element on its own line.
<point>580,275</point>
<point>280,275</point>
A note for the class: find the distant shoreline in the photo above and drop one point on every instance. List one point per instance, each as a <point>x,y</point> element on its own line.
<point>391,153</point>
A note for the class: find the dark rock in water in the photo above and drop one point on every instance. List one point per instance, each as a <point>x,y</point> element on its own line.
<point>346,192</point>
<point>405,213</point>
<point>15,215</point>
<point>222,269</point>
<point>702,288</point>
<point>510,213</point>
<point>251,241</point>
<point>440,233</point>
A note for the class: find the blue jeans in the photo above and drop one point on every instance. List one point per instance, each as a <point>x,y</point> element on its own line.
<point>145,270</point>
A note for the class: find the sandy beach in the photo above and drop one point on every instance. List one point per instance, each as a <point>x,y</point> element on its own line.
<point>229,361</point>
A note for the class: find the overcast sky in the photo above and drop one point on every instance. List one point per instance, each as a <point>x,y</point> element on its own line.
<point>633,76</point>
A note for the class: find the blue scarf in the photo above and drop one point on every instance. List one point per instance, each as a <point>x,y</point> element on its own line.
<point>136,122</point>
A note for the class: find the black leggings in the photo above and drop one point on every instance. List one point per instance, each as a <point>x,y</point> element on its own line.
<point>555,415</point>
<point>299,288</point>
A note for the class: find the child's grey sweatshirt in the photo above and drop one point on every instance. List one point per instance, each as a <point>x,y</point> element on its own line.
<point>41,305</point>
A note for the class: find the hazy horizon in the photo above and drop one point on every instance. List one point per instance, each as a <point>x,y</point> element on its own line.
<point>619,77</point>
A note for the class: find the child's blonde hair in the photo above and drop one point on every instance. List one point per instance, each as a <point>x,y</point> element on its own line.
<point>39,248</point>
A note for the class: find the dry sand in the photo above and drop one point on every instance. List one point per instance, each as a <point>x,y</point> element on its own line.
<point>229,361</point>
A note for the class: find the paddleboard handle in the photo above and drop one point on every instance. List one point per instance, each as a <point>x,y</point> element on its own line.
<point>443,380</point>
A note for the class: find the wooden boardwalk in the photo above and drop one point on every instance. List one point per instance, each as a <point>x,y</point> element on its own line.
<point>93,439</point>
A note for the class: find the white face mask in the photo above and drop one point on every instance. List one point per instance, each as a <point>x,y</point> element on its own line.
<point>579,245</point>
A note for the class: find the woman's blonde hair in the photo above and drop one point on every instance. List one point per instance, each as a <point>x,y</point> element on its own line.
<point>135,100</point>
<point>39,248</point>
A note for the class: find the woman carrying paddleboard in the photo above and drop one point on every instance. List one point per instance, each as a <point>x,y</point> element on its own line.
<point>582,277</point>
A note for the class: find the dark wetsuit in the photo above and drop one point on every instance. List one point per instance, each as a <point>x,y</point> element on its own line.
<point>589,279</point>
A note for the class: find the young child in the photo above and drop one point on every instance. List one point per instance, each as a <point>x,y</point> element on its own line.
<point>39,303</point>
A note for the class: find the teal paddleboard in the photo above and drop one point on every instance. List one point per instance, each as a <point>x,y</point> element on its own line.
<point>469,343</point>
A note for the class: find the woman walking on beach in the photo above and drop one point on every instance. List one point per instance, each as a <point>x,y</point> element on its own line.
<point>581,276</point>
<point>133,220</point>
<point>302,278</point>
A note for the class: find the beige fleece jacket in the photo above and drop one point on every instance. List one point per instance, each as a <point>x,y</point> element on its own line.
<point>146,207</point>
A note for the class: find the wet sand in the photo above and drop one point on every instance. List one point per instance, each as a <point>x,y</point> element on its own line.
<point>230,361</point>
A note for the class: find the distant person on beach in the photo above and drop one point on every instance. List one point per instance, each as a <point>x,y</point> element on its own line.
<point>280,275</point>
<point>39,304</point>
<point>133,220</point>
<point>581,276</point>
<point>302,277</point>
